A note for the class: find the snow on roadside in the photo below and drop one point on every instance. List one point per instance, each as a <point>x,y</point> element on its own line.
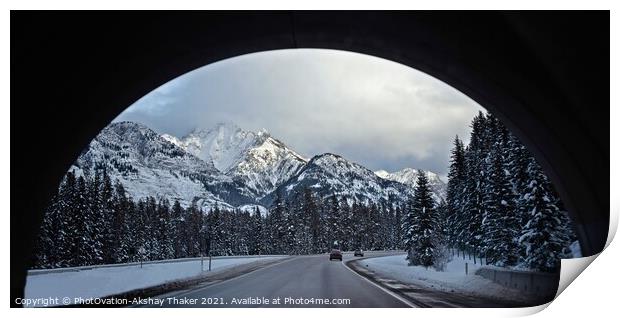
<point>105,281</point>
<point>453,279</point>
<point>575,249</point>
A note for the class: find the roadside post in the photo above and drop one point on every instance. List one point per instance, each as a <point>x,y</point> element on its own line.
<point>141,253</point>
<point>208,245</point>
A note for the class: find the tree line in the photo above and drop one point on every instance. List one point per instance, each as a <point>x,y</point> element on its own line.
<point>500,203</point>
<point>92,220</point>
<point>500,206</point>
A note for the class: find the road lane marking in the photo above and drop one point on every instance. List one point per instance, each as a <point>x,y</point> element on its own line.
<point>201,288</point>
<point>389,292</point>
<point>198,289</point>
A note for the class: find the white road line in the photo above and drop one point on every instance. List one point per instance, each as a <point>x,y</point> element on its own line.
<point>228,280</point>
<point>389,292</point>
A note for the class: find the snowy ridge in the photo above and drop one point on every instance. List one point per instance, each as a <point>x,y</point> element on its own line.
<point>254,159</point>
<point>329,174</point>
<point>224,145</point>
<point>147,164</point>
<point>267,166</point>
<point>232,168</point>
<point>251,208</point>
<point>409,177</point>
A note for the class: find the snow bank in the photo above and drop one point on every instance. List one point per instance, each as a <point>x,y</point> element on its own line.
<point>453,279</point>
<point>575,249</point>
<point>106,281</point>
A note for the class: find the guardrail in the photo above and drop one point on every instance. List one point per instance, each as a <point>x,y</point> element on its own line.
<point>533,283</point>
<point>177,260</point>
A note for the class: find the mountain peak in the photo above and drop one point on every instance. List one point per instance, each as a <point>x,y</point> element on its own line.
<point>409,177</point>
<point>255,158</point>
<point>224,144</point>
<point>227,127</point>
<point>406,175</point>
<point>150,164</point>
<point>219,128</point>
<point>263,132</point>
<point>382,173</point>
<point>327,156</point>
<point>129,130</point>
<point>126,124</point>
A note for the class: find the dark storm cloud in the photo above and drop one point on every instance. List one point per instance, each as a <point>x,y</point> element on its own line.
<point>375,112</point>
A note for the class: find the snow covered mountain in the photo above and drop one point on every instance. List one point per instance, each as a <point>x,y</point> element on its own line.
<point>329,174</point>
<point>230,167</point>
<point>225,145</point>
<point>267,166</point>
<point>149,165</point>
<point>409,177</point>
<point>254,159</point>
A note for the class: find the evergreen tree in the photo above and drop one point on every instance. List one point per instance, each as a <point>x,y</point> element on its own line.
<point>107,215</point>
<point>68,210</point>
<point>52,242</point>
<point>82,218</point>
<point>304,234</point>
<point>457,176</point>
<point>153,246</point>
<point>500,222</point>
<point>256,235</point>
<point>120,229</point>
<point>374,228</point>
<point>245,230</point>
<point>177,224</point>
<point>45,244</point>
<point>96,219</point>
<point>312,213</point>
<point>422,224</point>
<point>165,230</point>
<point>332,231</point>
<point>441,252</point>
<point>472,202</point>
<point>398,227</point>
<point>544,235</point>
<point>278,226</point>
<point>518,161</point>
<point>358,239</point>
<point>344,229</point>
<point>408,227</point>
<point>227,234</point>
<point>213,223</point>
<point>140,232</point>
<point>195,232</point>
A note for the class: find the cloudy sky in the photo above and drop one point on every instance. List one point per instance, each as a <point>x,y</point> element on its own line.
<point>375,112</point>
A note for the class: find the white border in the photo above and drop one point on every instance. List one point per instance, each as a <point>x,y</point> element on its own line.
<point>310,5</point>
<point>592,294</point>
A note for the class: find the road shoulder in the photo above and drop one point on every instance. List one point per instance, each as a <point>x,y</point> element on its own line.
<point>425,297</point>
<point>189,284</point>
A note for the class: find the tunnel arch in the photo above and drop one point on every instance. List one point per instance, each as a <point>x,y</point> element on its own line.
<point>523,68</point>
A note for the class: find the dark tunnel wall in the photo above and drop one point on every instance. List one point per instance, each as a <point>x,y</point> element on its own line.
<point>545,75</point>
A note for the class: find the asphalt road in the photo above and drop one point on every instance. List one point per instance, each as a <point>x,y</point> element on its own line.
<point>303,281</point>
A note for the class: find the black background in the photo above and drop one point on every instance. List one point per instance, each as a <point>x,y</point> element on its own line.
<point>544,74</point>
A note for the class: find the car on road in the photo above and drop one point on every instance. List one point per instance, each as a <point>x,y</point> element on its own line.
<point>359,253</point>
<point>335,254</point>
